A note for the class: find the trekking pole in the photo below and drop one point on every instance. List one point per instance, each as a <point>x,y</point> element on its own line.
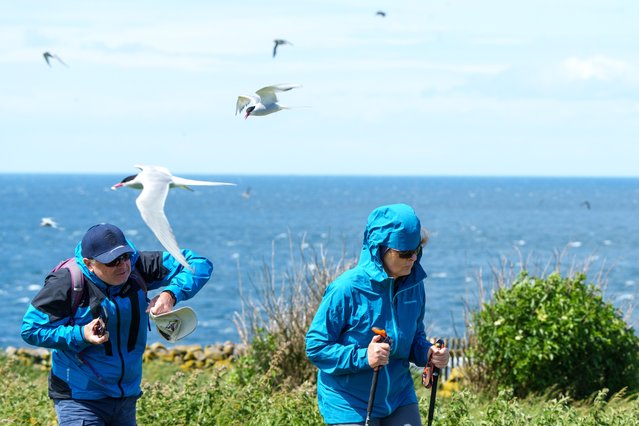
<point>431,382</point>
<point>371,397</point>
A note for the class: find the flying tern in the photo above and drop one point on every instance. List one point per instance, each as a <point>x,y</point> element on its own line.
<point>48,222</point>
<point>278,42</point>
<point>247,193</point>
<point>264,102</point>
<point>48,56</point>
<point>155,182</point>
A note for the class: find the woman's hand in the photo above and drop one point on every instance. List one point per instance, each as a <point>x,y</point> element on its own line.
<point>378,353</point>
<point>440,356</point>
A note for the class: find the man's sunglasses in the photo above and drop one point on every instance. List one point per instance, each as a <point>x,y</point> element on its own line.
<point>115,262</point>
<point>407,254</point>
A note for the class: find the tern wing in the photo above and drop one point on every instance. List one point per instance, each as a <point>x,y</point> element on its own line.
<point>282,41</point>
<point>242,102</point>
<point>267,94</point>
<point>184,183</point>
<point>157,172</point>
<point>151,206</point>
<point>61,61</point>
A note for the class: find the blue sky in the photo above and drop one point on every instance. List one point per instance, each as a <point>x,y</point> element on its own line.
<point>499,88</point>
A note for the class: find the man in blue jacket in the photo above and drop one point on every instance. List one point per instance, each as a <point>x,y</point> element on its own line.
<point>97,343</point>
<point>386,291</point>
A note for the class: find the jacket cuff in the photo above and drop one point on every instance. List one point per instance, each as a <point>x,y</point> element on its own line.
<point>77,338</point>
<point>170,293</point>
<point>362,359</point>
<point>175,292</point>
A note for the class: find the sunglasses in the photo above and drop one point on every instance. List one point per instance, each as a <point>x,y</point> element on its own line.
<point>115,262</point>
<point>407,254</point>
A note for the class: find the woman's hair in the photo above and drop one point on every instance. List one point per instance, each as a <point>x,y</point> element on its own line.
<point>425,236</point>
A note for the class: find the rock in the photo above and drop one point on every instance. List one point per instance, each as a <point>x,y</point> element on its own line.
<point>229,348</point>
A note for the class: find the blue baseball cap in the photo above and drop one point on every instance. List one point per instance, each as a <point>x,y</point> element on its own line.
<point>105,243</point>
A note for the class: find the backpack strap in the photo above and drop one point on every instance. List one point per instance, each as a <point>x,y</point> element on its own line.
<point>77,284</point>
<point>138,279</point>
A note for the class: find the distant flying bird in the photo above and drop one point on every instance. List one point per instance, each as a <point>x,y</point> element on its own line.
<point>48,56</point>
<point>48,222</point>
<point>155,182</point>
<point>586,204</point>
<point>381,13</point>
<point>247,193</point>
<point>265,102</point>
<point>279,41</point>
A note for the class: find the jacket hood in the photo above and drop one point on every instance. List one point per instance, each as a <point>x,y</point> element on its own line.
<point>93,277</point>
<point>394,226</point>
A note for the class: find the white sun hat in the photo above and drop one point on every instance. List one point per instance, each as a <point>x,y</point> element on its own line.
<point>176,324</point>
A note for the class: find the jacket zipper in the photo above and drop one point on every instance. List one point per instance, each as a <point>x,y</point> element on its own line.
<point>117,314</point>
<point>392,299</point>
<point>393,319</point>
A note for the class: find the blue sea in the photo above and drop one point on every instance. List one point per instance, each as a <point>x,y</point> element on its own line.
<point>477,225</point>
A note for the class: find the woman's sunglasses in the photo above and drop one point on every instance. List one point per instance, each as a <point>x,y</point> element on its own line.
<point>407,254</point>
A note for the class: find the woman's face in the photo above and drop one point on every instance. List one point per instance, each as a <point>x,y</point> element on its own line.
<point>397,264</point>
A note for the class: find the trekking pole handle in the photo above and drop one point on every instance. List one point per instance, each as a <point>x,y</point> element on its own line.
<point>381,332</point>
<point>438,344</point>
<point>433,391</point>
<point>371,397</point>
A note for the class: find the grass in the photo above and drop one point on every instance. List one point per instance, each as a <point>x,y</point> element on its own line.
<point>214,397</point>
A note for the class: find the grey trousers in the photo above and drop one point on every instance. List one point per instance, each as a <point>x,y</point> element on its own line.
<point>408,415</point>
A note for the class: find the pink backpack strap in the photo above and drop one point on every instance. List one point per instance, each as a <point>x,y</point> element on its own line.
<point>77,284</point>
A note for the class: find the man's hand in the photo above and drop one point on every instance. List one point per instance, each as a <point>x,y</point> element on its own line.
<point>95,332</point>
<point>161,304</point>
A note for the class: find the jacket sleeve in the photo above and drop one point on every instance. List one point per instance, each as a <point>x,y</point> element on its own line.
<point>323,346</point>
<point>421,345</point>
<point>161,269</point>
<point>46,322</point>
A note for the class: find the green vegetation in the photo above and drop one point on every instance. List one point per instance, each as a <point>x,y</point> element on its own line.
<point>213,397</point>
<point>554,333</point>
<point>537,341</point>
<point>273,325</point>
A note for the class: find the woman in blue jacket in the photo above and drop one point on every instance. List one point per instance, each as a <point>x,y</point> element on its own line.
<point>98,341</point>
<point>386,291</point>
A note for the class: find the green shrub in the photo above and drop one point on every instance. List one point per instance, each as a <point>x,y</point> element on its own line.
<point>552,334</point>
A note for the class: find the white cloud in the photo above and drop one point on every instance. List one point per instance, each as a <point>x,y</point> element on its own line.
<point>595,68</point>
<point>500,41</point>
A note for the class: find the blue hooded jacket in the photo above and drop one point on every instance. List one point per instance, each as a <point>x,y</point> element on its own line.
<point>81,370</point>
<point>359,299</point>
